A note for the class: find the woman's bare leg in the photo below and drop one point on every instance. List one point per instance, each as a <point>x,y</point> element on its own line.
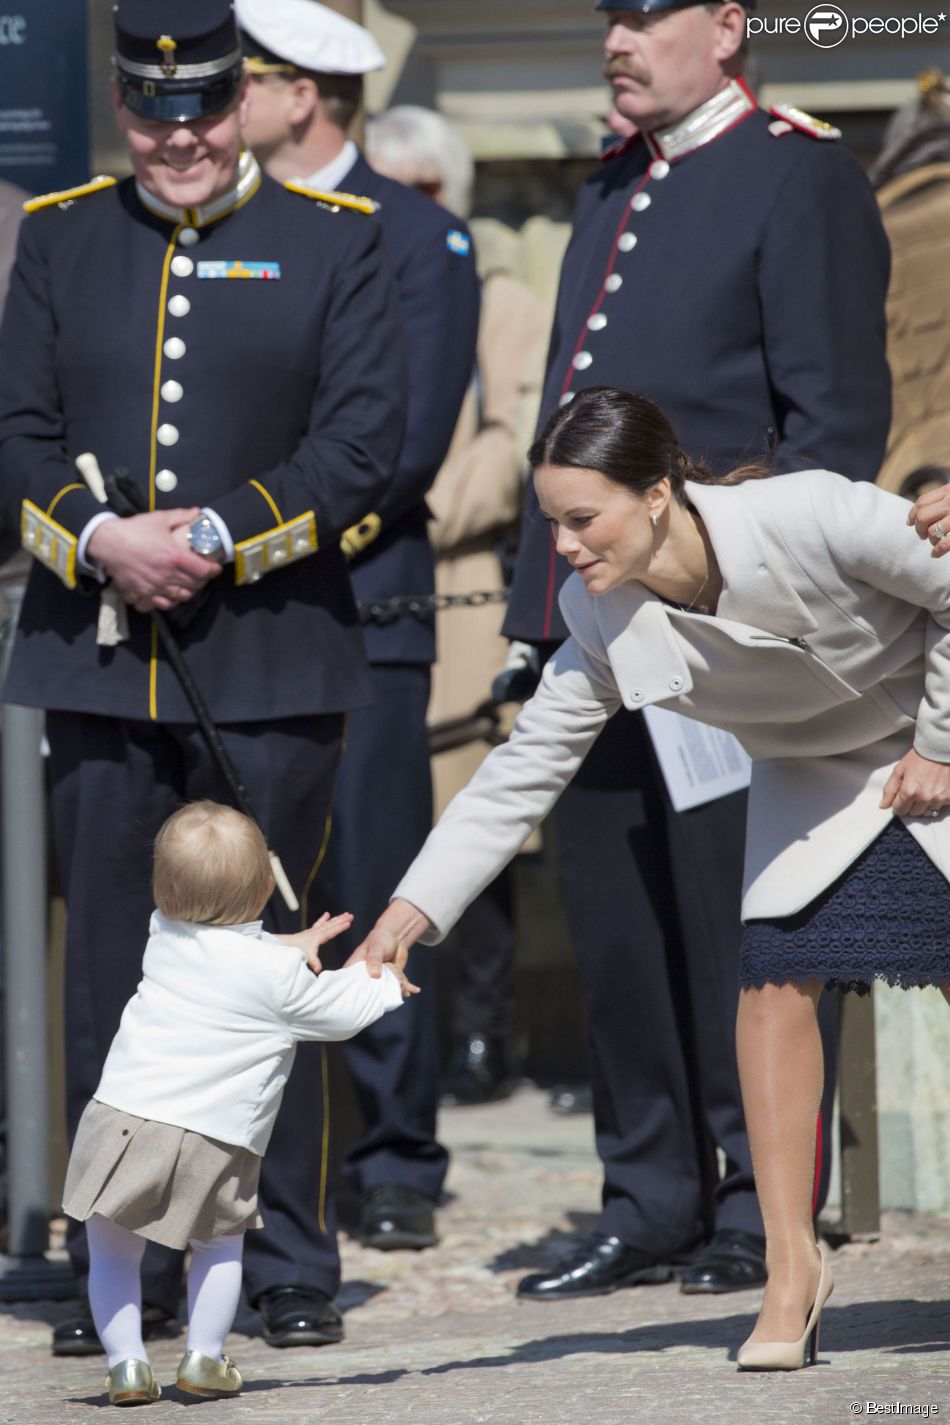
<point>781,1072</point>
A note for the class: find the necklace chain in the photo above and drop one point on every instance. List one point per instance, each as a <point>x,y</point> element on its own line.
<point>688,608</point>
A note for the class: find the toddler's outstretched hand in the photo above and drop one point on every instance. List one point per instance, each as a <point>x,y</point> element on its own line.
<point>309,941</point>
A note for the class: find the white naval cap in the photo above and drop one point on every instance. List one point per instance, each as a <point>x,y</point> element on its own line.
<point>309,35</point>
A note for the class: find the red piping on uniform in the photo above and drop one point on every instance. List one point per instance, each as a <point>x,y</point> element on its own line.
<point>552,568</point>
<point>819,1161</point>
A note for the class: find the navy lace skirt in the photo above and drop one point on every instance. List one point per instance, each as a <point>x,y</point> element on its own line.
<point>887,918</point>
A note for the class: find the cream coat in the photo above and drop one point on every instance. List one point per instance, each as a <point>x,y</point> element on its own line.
<point>828,657</point>
<point>207,1041</point>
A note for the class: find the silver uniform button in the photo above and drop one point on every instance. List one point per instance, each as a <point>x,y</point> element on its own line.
<point>659,168</point>
<point>676,684</point>
<point>188,237</point>
<point>614,282</point>
<point>166,481</point>
<point>582,360</point>
<point>172,391</point>
<point>597,322</point>
<point>167,435</point>
<point>174,348</point>
<point>179,306</point>
<point>637,695</point>
<point>640,202</point>
<point>628,242</point>
<point>182,266</point>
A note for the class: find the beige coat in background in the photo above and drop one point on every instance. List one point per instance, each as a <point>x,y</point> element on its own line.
<point>916,213</point>
<point>475,500</point>
<point>828,657</point>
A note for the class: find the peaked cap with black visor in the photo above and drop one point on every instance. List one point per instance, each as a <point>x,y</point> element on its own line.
<point>656,7</point>
<point>176,60</point>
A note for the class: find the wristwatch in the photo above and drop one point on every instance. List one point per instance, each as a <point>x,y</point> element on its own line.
<point>204,539</point>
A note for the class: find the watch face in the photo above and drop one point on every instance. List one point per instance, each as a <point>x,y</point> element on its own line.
<point>205,538</point>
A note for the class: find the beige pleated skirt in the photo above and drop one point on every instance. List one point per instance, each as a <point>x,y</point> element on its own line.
<point>164,1183</point>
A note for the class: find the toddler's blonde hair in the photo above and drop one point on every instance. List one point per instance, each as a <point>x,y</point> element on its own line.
<point>211,866</point>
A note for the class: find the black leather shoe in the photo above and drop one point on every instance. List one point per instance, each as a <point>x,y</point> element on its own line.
<point>77,1335</point>
<point>730,1261</point>
<point>299,1316</point>
<point>393,1216</point>
<point>479,1071</point>
<point>600,1265</point>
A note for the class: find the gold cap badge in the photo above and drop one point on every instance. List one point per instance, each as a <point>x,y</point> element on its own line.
<point>168,46</point>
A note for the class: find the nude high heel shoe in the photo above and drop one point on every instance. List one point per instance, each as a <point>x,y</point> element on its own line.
<point>792,1355</point>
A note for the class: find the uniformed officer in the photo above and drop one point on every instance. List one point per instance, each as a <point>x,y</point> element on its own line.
<point>727,262</point>
<point>235,348</point>
<point>306,65</point>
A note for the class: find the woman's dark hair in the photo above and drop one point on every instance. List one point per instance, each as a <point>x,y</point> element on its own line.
<point>627,439</point>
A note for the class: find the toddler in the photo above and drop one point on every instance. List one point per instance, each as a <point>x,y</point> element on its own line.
<point>169,1149</point>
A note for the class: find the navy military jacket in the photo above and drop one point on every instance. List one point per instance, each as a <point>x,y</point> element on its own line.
<point>741,287</point>
<point>248,360</point>
<point>433,259</point>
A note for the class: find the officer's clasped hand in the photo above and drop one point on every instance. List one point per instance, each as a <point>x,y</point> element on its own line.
<point>149,559</point>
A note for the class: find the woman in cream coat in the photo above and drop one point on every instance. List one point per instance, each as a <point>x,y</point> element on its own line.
<point>801,614</point>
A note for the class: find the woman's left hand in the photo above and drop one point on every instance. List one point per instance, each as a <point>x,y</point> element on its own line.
<point>930,515</point>
<point>917,786</point>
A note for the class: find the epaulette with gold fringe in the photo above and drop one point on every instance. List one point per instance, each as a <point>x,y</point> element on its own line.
<point>789,119</point>
<point>68,195</point>
<point>335,201</point>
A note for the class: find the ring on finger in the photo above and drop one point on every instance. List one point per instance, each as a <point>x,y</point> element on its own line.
<point>934,811</point>
<point>938,531</point>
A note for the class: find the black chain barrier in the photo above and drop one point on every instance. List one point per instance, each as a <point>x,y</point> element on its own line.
<point>383,611</point>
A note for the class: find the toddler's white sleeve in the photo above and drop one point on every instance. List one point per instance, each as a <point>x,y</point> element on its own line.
<point>338,1003</point>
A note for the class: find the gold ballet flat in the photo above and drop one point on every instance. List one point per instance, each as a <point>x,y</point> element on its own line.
<point>200,1375</point>
<point>131,1383</point>
<point>792,1355</point>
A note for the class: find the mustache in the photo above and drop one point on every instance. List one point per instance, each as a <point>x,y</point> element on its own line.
<point>621,66</point>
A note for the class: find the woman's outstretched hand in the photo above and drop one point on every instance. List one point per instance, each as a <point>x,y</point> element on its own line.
<point>930,516</point>
<point>917,786</point>
<point>399,926</point>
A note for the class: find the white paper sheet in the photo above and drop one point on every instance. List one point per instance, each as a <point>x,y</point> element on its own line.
<point>699,763</point>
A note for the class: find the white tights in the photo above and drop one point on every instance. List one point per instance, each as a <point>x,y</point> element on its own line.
<point>115,1290</point>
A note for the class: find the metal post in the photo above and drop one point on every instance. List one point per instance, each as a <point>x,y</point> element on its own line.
<point>857,1101</point>
<point>26,1273</point>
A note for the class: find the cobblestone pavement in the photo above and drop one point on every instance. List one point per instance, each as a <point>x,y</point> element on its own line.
<point>439,1339</point>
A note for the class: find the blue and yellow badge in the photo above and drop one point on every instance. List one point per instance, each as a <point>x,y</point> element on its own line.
<point>458,243</point>
<point>238,267</point>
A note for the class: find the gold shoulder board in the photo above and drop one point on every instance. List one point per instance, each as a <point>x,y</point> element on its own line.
<point>788,118</point>
<point>335,200</point>
<point>46,200</point>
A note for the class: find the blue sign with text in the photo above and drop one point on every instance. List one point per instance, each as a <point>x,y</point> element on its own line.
<point>44,124</point>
